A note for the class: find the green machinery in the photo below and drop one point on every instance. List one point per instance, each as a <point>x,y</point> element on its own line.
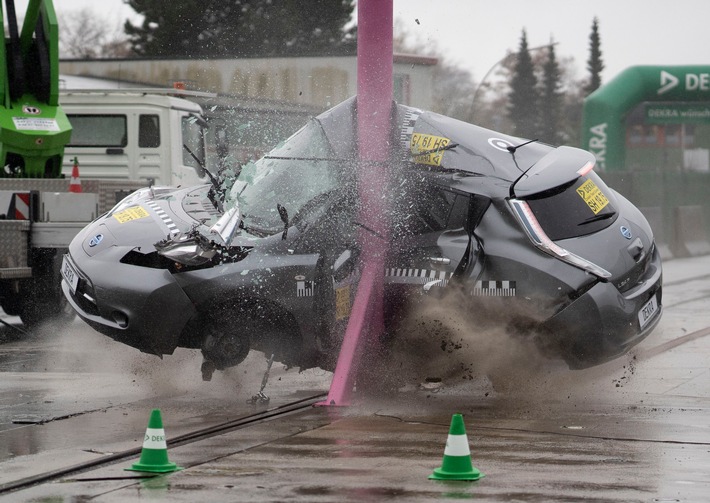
<point>33,127</point>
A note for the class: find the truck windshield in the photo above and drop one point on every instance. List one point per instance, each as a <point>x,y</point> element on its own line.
<point>291,175</point>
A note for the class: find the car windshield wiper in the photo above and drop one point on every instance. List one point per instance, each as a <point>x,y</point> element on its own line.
<point>255,229</point>
<point>216,193</point>
<point>597,218</point>
<point>283,213</point>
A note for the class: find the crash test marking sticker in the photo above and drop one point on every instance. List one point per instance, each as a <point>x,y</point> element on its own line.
<point>164,217</point>
<point>593,196</point>
<point>500,144</point>
<point>410,119</point>
<point>416,276</point>
<point>129,214</point>
<point>304,288</point>
<point>342,302</point>
<point>434,145</point>
<point>484,288</point>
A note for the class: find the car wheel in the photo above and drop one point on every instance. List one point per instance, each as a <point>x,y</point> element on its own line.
<point>224,346</point>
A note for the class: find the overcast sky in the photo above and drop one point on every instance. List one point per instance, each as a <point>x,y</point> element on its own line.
<point>476,34</point>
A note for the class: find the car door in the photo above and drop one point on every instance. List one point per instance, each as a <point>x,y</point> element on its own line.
<point>327,231</point>
<point>431,242</point>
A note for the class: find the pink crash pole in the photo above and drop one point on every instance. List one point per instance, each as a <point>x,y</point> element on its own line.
<point>374,105</point>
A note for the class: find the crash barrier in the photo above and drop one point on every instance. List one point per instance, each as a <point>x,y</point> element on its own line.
<point>456,464</point>
<point>654,215</point>
<point>154,455</point>
<point>690,232</point>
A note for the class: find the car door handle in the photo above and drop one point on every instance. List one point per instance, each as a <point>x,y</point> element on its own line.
<point>440,260</point>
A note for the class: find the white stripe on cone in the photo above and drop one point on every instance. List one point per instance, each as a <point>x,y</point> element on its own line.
<point>457,445</point>
<point>154,439</point>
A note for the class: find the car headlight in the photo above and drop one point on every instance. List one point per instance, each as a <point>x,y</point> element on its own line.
<point>186,252</point>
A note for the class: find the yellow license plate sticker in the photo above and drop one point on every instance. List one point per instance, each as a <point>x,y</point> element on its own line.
<point>342,302</point>
<point>593,196</point>
<point>430,144</point>
<point>132,213</point>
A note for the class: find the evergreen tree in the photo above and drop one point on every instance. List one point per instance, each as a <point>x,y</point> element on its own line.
<point>551,99</point>
<point>595,64</point>
<point>523,98</point>
<point>241,28</point>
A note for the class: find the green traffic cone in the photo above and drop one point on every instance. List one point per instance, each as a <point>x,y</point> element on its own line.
<point>457,455</point>
<point>154,456</point>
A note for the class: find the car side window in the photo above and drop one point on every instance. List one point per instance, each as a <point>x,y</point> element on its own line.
<point>430,209</point>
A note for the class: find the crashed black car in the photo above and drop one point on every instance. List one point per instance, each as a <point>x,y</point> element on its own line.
<point>271,263</point>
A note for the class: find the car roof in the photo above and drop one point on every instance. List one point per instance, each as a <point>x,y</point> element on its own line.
<point>469,157</point>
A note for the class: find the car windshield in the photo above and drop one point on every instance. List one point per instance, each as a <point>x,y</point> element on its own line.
<point>289,176</point>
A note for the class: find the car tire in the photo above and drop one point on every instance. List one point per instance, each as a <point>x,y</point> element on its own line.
<point>223,345</point>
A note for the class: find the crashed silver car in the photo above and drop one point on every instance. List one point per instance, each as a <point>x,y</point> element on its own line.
<point>269,261</point>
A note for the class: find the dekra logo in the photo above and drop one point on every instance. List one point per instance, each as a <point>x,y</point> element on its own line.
<point>693,82</point>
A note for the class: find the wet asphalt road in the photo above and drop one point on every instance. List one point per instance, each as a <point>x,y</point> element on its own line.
<point>635,429</point>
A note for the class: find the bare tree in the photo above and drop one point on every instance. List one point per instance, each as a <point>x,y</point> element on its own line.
<point>453,85</point>
<point>84,34</point>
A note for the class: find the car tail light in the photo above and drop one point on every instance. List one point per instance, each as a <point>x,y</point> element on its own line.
<point>533,229</point>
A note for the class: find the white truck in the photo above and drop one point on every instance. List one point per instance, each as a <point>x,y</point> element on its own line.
<point>123,139</point>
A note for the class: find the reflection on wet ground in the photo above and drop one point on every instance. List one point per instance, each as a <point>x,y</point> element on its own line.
<point>634,429</point>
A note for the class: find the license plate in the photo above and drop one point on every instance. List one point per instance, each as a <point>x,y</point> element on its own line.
<point>69,274</point>
<point>647,312</point>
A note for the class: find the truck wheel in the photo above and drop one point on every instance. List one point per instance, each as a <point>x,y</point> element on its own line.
<point>40,298</point>
<point>10,298</point>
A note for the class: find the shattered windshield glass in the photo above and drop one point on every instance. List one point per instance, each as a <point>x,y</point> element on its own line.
<point>289,176</point>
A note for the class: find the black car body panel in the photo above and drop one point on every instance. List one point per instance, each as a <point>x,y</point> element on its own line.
<point>275,265</point>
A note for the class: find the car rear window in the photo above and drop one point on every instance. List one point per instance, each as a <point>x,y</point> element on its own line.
<point>581,207</point>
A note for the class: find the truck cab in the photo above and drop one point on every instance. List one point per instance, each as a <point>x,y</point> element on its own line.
<point>147,135</point>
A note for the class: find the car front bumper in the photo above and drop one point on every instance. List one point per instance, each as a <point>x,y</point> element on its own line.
<point>604,323</point>
<point>142,307</point>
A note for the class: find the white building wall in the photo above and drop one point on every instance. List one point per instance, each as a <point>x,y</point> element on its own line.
<point>316,81</point>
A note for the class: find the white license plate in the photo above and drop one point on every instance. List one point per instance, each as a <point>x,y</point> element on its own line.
<point>69,274</point>
<point>647,312</point>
